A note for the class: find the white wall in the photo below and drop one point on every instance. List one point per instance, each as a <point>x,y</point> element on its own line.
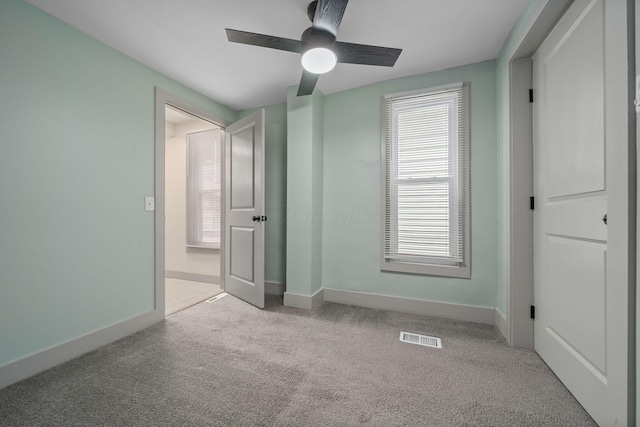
<point>179,258</point>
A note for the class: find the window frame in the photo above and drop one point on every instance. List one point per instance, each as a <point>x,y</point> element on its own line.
<point>191,228</point>
<point>404,264</point>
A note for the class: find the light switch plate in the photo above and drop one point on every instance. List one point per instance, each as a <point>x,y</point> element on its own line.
<point>149,204</point>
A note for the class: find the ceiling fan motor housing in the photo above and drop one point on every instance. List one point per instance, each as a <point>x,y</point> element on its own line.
<point>318,51</point>
<point>313,37</point>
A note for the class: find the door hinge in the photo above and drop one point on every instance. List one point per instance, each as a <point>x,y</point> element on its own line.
<point>533,312</point>
<point>532,203</point>
<point>530,95</point>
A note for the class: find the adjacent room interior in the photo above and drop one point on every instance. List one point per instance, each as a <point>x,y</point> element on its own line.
<point>192,210</point>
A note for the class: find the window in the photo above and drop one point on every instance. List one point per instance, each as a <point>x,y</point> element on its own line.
<point>425,189</point>
<point>203,188</point>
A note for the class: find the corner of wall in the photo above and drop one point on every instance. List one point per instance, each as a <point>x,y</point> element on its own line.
<point>304,302</point>
<point>501,323</point>
<point>305,142</point>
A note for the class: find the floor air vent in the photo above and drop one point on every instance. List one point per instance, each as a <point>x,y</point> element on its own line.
<point>421,340</point>
<point>217,297</point>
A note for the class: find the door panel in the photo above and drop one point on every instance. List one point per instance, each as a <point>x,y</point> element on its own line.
<point>574,272</point>
<point>242,152</point>
<point>244,197</point>
<point>574,90</point>
<point>242,243</point>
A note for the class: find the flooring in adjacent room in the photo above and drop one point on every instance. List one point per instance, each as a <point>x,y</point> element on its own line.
<point>181,294</point>
<point>227,363</point>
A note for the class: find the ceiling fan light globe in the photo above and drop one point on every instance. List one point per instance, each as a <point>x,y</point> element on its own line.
<point>319,60</point>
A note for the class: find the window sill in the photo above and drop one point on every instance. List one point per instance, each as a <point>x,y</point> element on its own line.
<point>215,248</point>
<point>462,272</point>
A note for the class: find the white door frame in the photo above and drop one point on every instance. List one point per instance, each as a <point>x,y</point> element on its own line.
<point>165,98</point>
<point>519,289</point>
<point>519,327</point>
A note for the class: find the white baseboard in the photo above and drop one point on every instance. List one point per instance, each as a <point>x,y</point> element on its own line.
<point>274,288</point>
<point>28,366</point>
<point>501,323</point>
<point>467,313</point>
<point>305,302</point>
<point>192,277</point>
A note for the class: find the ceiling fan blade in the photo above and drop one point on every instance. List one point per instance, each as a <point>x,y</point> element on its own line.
<point>307,83</point>
<point>352,53</point>
<point>329,15</point>
<point>264,40</point>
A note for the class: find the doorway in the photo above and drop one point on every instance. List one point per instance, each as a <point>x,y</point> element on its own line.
<point>180,112</point>
<point>582,332</point>
<point>581,180</point>
<point>193,165</point>
<point>241,200</point>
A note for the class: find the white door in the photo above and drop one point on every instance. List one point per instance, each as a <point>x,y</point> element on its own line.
<point>580,184</point>
<point>244,209</point>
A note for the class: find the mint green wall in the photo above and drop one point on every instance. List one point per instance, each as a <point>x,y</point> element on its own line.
<point>351,231</point>
<point>76,160</point>
<point>299,186</point>
<point>502,107</point>
<point>317,199</point>
<point>275,190</point>
<point>304,192</point>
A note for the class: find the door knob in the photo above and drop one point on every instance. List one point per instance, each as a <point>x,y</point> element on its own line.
<point>256,218</point>
<point>604,219</point>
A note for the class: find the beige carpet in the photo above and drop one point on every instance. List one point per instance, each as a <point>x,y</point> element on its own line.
<point>227,363</point>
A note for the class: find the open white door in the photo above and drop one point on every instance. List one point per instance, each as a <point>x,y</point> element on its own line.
<point>244,209</point>
<point>581,215</point>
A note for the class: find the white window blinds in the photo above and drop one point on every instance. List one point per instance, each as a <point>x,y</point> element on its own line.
<point>203,188</point>
<point>425,171</point>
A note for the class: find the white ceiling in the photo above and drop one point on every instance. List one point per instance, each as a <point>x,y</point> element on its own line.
<point>185,39</point>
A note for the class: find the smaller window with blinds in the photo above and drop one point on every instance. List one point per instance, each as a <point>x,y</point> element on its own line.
<point>425,197</point>
<point>204,189</point>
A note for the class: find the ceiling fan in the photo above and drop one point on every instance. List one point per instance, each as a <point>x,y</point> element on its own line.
<point>318,46</point>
